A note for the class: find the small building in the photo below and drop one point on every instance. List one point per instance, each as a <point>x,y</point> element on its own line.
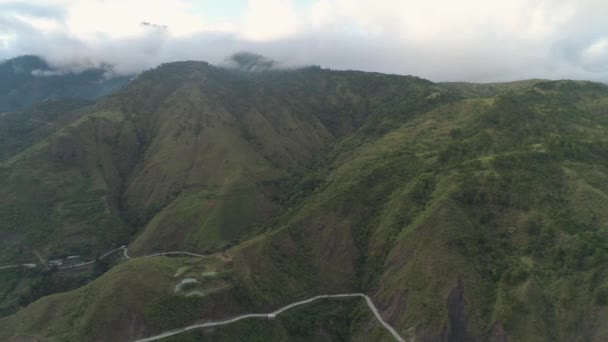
<point>56,262</point>
<point>272,316</point>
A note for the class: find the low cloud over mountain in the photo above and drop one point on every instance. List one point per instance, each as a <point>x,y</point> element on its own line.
<point>467,40</point>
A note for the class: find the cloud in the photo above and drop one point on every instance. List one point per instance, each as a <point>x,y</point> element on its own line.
<point>269,20</point>
<point>43,73</point>
<point>595,57</point>
<point>33,9</point>
<point>470,40</point>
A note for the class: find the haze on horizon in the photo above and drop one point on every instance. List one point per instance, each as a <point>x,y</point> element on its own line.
<point>468,40</point>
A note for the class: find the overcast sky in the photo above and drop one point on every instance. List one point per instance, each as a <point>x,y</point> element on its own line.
<point>442,40</point>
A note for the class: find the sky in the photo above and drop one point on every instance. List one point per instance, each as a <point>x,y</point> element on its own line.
<point>441,40</point>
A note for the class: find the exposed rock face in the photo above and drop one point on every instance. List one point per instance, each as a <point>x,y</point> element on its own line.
<point>456,326</point>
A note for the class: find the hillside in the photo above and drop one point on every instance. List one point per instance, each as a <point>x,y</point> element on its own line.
<point>21,129</point>
<point>467,212</point>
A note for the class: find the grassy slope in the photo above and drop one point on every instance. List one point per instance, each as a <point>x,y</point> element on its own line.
<point>194,154</point>
<point>500,201</point>
<point>57,200</point>
<point>238,136</point>
<point>497,206</point>
<point>61,190</point>
<point>22,129</point>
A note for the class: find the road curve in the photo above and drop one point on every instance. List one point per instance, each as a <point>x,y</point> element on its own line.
<point>368,300</point>
<point>175,253</point>
<point>121,248</point>
<point>93,261</point>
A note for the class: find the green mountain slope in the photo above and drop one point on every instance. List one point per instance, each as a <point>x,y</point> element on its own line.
<point>21,129</point>
<point>466,213</point>
<point>197,161</point>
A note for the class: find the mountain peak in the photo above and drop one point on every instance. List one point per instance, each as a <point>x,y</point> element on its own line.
<point>248,61</point>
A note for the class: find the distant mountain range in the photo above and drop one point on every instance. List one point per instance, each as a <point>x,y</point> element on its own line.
<point>27,80</point>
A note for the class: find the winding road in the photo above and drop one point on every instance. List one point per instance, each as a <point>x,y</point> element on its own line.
<point>125,251</point>
<point>270,315</point>
<point>72,266</point>
<point>17,265</point>
<point>93,261</point>
<point>121,248</point>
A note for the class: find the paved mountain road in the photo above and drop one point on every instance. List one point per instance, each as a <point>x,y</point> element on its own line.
<point>175,253</point>
<point>9,266</point>
<point>125,250</point>
<point>125,255</point>
<point>93,261</point>
<point>17,265</point>
<point>368,300</point>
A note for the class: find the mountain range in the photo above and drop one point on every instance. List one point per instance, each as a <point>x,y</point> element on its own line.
<point>467,212</point>
<point>27,80</point>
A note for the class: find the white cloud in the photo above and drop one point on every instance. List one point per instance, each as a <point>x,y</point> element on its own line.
<point>41,24</point>
<point>321,13</point>
<point>269,20</point>
<point>595,57</point>
<point>475,40</point>
<point>120,18</point>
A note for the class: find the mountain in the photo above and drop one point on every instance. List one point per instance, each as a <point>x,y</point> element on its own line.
<point>26,80</point>
<point>466,212</point>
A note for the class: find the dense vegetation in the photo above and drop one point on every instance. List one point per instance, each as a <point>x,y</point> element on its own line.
<point>466,211</point>
<point>20,130</point>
